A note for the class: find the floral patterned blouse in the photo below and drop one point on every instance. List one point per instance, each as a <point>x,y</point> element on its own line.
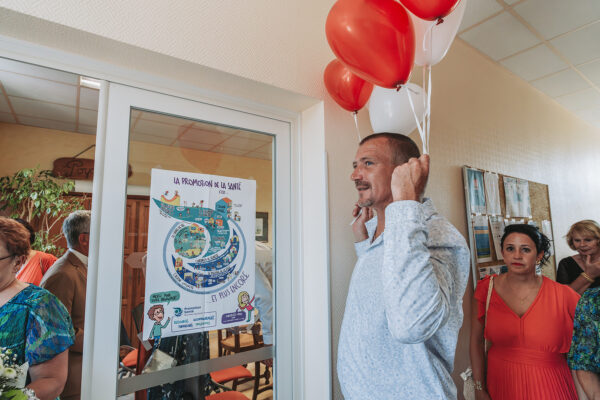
<point>35,325</point>
<point>585,347</point>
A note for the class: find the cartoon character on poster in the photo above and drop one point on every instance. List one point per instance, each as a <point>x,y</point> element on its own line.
<point>245,303</point>
<point>157,313</point>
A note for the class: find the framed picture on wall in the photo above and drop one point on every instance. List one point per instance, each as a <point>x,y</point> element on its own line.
<point>262,226</point>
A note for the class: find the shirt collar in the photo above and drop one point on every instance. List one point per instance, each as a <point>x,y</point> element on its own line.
<point>83,258</point>
<point>427,207</point>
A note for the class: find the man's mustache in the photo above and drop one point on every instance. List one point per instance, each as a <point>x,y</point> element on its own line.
<point>361,184</point>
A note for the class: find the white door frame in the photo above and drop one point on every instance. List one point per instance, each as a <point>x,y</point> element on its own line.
<point>310,286</point>
<point>121,99</point>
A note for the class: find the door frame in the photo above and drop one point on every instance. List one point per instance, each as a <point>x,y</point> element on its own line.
<point>310,285</point>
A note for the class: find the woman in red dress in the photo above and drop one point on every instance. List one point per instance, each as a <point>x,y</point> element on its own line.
<point>529,326</point>
<point>37,262</point>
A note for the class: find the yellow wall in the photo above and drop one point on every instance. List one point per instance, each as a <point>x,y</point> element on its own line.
<point>25,147</point>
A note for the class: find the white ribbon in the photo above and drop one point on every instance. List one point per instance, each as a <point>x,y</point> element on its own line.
<point>354,114</point>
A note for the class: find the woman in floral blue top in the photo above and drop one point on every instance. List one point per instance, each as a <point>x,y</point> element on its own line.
<point>34,324</point>
<point>584,356</point>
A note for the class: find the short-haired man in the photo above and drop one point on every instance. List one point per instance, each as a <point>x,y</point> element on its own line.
<point>404,305</point>
<point>584,355</point>
<point>67,279</point>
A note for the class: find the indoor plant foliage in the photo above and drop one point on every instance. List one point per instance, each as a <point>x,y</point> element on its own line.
<point>38,197</point>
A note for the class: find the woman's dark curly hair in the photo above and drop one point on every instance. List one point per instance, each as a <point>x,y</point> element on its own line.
<point>542,243</point>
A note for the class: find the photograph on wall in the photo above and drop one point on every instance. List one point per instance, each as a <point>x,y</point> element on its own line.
<point>483,251</point>
<point>516,192</point>
<point>492,193</point>
<point>476,191</point>
<point>200,264</point>
<point>497,228</point>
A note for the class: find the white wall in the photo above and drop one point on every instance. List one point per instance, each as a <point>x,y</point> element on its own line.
<point>482,115</point>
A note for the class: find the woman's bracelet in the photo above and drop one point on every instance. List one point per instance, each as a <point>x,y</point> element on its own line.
<point>587,277</point>
<point>478,385</point>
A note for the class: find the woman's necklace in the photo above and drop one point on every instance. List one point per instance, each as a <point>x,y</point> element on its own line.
<point>530,290</point>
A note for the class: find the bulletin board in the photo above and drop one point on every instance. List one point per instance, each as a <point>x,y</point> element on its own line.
<point>514,200</point>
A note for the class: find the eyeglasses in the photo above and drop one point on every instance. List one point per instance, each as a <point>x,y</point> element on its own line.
<point>8,256</point>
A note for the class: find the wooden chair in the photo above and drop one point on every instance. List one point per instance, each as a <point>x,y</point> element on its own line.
<point>237,340</point>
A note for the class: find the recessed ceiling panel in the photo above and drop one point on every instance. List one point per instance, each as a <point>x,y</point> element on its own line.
<point>582,100</point>
<point>3,104</point>
<point>88,117</point>
<point>592,71</point>
<point>260,137</point>
<point>554,17</point>
<point>232,150</point>
<point>262,156</point>
<point>194,134</point>
<point>141,137</point>
<point>38,72</point>
<point>88,98</point>
<point>41,109</point>
<point>478,10</point>
<point>534,63</point>
<point>48,124</point>
<point>591,115</point>
<point>38,89</point>
<point>500,36</point>
<point>243,143</point>
<point>582,45</point>
<point>561,83</point>
<point>7,117</point>
<point>195,145</point>
<point>87,129</point>
<point>158,128</point>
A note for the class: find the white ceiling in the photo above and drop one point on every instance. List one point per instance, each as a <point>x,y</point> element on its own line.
<point>46,98</point>
<point>176,131</point>
<point>552,44</point>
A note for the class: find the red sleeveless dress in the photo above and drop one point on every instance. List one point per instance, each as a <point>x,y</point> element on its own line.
<point>527,358</point>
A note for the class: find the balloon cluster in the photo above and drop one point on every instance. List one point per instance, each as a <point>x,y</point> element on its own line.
<point>377,42</point>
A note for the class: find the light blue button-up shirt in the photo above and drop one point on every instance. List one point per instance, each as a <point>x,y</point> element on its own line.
<point>404,308</point>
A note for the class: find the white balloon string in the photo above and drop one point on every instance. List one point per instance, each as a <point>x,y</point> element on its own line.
<point>412,107</point>
<point>355,115</point>
<point>428,33</point>
<point>428,106</point>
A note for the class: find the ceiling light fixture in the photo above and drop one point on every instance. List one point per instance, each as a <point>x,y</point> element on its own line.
<point>89,82</point>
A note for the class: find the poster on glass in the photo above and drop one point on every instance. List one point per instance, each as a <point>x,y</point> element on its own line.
<point>200,268</point>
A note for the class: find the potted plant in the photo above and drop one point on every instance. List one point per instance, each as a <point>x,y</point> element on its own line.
<point>38,197</point>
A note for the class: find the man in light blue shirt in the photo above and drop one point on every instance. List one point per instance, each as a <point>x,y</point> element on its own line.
<point>404,305</point>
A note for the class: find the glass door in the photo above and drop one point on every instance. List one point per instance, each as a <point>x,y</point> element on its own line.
<point>193,270</point>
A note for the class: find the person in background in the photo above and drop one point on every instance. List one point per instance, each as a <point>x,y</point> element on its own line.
<point>584,355</point>
<point>37,262</point>
<point>404,305</point>
<point>34,325</point>
<point>529,325</point>
<point>67,280</point>
<point>581,271</point>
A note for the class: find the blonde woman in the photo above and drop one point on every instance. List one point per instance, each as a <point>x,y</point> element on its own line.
<point>581,271</point>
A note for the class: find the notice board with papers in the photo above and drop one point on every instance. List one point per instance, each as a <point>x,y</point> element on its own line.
<point>494,200</point>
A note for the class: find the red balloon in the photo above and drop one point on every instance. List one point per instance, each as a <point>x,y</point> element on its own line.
<point>430,9</point>
<point>347,89</point>
<point>374,39</point>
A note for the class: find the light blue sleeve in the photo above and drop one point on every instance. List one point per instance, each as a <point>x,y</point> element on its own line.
<point>264,303</point>
<point>419,274</point>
